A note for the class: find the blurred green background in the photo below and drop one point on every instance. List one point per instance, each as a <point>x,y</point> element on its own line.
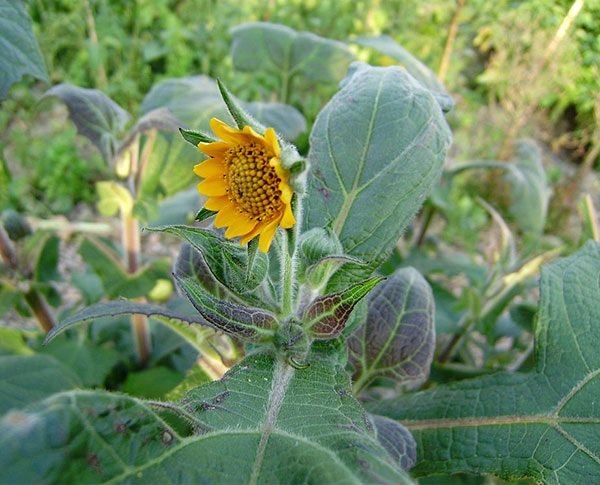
<point>124,47</point>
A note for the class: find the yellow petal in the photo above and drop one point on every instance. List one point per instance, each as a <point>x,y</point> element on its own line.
<point>210,168</point>
<point>286,193</point>
<point>216,203</point>
<point>242,225</point>
<point>252,234</point>
<point>226,215</point>
<point>248,130</point>
<point>230,135</point>
<point>215,149</point>
<point>266,236</point>
<point>271,138</point>
<point>288,220</point>
<point>213,187</point>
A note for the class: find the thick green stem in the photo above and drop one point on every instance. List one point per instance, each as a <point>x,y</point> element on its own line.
<point>288,261</point>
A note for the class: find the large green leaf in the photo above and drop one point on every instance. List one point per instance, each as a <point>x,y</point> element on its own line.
<point>389,47</point>
<point>25,379</point>
<point>263,422</point>
<point>274,48</point>
<point>96,116</point>
<point>544,424</point>
<point>398,338</point>
<point>19,51</point>
<point>377,148</point>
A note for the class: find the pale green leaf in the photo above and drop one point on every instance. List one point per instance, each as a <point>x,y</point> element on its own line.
<point>543,424</point>
<point>275,48</point>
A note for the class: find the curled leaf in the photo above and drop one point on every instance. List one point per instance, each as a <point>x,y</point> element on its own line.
<point>238,320</point>
<point>327,316</point>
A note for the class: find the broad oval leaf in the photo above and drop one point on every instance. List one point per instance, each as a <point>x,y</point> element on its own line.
<point>275,48</point>
<point>96,116</point>
<point>263,422</point>
<point>543,424</point>
<point>389,47</point>
<point>398,338</point>
<point>377,148</point>
<point>20,53</point>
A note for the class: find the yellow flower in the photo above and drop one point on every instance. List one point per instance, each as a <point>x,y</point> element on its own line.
<point>246,183</point>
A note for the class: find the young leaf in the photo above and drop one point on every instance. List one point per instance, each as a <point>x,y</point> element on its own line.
<point>543,424</point>
<point>387,46</point>
<point>96,116</point>
<point>326,316</point>
<point>279,50</point>
<point>378,147</point>
<point>399,336</point>
<point>264,421</point>
<point>195,137</point>
<point>25,379</point>
<point>227,260</point>
<point>241,321</point>
<point>122,307</point>
<point>20,53</point>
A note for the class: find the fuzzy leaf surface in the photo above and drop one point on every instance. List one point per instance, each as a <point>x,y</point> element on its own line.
<point>227,260</point>
<point>20,53</point>
<point>122,307</point>
<point>327,315</point>
<point>543,424</point>
<point>377,148</point>
<point>398,338</point>
<point>273,422</point>
<point>96,116</point>
<point>235,319</point>
<point>389,47</point>
<point>274,48</point>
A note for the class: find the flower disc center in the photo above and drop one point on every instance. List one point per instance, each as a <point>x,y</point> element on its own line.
<point>253,182</point>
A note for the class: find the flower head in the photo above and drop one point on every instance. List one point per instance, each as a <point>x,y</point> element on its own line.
<point>246,183</point>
